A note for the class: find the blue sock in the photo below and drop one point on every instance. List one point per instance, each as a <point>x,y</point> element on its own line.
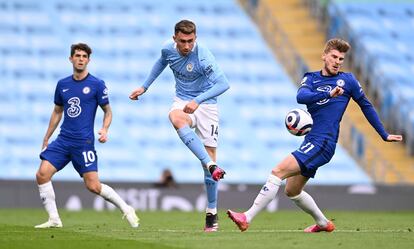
<point>193,142</point>
<point>211,189</point>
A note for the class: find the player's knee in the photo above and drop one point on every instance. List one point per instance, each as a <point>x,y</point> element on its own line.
<point>292,192</point>
<point>177,120</point>
<point>278,171</point>
<point>94,188</point>
<point>41,177</point>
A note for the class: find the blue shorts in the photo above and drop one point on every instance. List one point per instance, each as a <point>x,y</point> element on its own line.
<point>81,152</point>
<point>312,154</point>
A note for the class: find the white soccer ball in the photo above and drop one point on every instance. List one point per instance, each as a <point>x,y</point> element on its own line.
<point>298,122</point>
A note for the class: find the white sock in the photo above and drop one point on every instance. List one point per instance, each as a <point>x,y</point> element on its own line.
<point>47,195</point>
<point>211,210</point>
<point>266,195</point>
<point>307,204</point>
<point>110,195</point>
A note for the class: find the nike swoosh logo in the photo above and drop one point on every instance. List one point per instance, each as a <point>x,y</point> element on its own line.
<point>88,164</point>
<point>64,90</point>
<point>316,81</point>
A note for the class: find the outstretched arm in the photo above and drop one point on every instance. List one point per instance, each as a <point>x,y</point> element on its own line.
<point>156,70</point>
<point>53,123</point>
<point>372,117</point>
<point>306,96</point>
<point>103,132</point>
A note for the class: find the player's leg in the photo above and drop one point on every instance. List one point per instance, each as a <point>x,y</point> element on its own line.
<point>183,122</point>
<point>294,190</point>
<point>212,196</point>
<point>93,184</point>
<point>47,194</point>
<point>288,167</point>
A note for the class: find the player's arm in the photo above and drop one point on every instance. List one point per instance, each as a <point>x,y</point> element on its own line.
<point>107,119</point>
<point>372,117</point>
<point>53,123</point>
<point>156,70</point>
<point>219,87</point>
<point>307,96</point>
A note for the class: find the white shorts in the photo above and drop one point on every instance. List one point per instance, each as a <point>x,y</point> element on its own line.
<point>204,120</point>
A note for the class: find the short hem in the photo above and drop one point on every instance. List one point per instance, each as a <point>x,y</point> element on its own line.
<point>303,170</point>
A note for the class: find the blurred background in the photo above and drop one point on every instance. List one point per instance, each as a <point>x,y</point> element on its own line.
<point>263,46</point>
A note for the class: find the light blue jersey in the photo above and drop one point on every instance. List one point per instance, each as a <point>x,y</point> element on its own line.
<point>197,75</point>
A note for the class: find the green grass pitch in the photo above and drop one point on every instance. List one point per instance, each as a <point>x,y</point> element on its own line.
<point>105,230</point>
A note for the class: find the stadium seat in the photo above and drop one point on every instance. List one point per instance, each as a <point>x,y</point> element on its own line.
<point>126,37</point>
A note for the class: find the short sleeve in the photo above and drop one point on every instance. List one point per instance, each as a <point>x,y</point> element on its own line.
<point>102,94</point>
<point>58,97</point>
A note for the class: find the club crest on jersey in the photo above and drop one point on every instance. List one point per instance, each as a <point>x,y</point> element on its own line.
<point>86,90</point>
<point>340,83</point>
<point>189,67</point>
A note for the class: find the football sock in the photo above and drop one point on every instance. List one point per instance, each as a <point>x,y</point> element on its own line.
<point>110,195</point>
<point>212,191</point>
<point>265,196</point>
<point>193,142</point>
<point>307,204</point>
<point>47,195</point>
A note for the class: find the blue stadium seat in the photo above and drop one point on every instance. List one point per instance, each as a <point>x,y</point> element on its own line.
<point>126,37</point>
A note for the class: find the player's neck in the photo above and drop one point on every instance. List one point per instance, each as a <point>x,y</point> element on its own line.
<point>80,75</point>
<point>326,73</point>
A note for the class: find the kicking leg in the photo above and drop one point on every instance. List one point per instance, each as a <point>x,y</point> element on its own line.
<point>182,122</point>
<point>93,184</point>
<point>47,194</point>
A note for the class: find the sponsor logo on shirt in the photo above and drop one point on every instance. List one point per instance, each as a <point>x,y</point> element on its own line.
<point>323,89</point>
<point>209,70</point>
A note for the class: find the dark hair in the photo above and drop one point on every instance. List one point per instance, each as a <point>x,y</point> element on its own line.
<point>80,46</point>
<point>337,44</point>
<point>185,26</point>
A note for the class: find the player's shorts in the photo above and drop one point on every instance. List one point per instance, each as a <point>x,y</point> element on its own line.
<point>62,150</point>
<point>205,121</point>
<point>312,154</point>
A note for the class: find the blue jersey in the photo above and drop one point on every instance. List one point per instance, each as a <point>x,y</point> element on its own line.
<point>327,112</point>
<point>197,75</point>
<point>80,100</point>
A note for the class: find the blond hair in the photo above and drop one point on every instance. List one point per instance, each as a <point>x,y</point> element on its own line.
<point>336,44</point>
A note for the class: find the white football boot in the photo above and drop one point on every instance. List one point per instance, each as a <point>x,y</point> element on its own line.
<point>51,223</point>
<point>131,217</point>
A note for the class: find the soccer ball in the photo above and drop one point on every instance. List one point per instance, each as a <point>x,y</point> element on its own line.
<point>298,122</point>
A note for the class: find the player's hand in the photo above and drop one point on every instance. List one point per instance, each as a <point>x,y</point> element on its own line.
<point>190,107</point>
<point>45,144</point>
<point>136,93</point>
<point>394,138</point>
<point>337,91</point>
<point>103,135</point>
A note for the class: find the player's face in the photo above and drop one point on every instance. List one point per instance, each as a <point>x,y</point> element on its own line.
<point>185,42</point>
<point>80,60</point>
<point>333,62</point>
